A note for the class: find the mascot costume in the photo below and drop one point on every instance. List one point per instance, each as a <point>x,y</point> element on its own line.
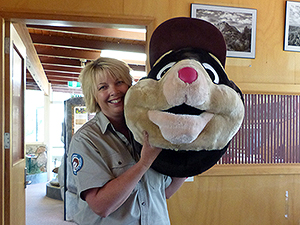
<point>187,104</point>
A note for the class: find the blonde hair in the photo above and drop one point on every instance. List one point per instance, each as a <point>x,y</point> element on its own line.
<point>101,67</point>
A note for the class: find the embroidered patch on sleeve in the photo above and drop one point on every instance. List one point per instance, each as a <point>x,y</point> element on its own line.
<point>77,163</point>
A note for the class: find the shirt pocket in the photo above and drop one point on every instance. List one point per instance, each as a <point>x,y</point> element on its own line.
<point>120,163</point>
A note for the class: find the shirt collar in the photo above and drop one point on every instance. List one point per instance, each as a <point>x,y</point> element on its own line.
<point>103,121</point>
<point>104,125</point>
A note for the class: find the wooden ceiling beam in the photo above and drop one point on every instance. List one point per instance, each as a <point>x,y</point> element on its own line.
<point>91,44</point>
<point>67,89</point>
<point>59,79</point>
<point>103,32</point>
<point>32,87</point>
<point>56,73</point>
<point>63,69</point>
<point>55,82</point>
<point>135,67</point>
<point>62,78</point>
<point>67,53</point>
<point>60,61</point>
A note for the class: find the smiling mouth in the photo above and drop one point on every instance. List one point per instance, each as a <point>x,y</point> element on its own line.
<point>181,124</point>
<point>115,101</point>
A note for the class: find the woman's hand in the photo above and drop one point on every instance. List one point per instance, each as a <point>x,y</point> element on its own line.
<point>148,153</point>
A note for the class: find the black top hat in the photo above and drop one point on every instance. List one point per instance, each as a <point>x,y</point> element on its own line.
<point>183,32</point>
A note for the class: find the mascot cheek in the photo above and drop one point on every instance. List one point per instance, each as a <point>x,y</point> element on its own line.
<point>139,99</point>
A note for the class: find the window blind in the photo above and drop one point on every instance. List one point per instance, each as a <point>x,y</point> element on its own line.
<point>269,133</point>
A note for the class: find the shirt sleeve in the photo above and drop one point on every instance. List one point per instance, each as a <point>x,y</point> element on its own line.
<point>168,181</point>
<point>89,169</point>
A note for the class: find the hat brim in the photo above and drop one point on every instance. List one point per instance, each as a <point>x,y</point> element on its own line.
<point>183,32</point>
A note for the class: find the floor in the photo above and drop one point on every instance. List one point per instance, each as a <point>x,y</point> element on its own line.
<point>42,210</point>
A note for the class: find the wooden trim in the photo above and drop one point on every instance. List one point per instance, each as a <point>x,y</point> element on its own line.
<point>253,169</point>
<point>281,89</point>
<point>7,129</point>
<point>72,19</point>
<point>2,124</point>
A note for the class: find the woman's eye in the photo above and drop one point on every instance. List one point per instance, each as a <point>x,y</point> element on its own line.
<point>164,70</point>
<point>101,87</point>
<point>212,73</point>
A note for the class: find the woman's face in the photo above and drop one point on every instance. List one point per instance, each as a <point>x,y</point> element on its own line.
<point>110,95</point>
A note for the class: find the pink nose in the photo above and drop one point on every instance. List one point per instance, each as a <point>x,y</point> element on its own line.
<point>187,75</point>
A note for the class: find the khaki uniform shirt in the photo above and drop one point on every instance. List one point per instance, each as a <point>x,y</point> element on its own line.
<point>98,154</point>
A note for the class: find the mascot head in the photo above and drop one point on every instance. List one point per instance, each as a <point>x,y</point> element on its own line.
<point>187,104</point>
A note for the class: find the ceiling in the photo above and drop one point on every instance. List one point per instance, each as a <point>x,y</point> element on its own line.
<point>64,50</point>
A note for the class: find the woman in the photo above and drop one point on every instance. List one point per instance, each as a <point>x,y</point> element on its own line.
<point>114,185</point>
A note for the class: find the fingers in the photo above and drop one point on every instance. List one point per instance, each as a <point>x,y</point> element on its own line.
<point>148,153</point>
<point>146,143</point>
<point>146,138</point>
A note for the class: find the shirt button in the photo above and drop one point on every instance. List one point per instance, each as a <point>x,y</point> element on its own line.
<point>143,203</point>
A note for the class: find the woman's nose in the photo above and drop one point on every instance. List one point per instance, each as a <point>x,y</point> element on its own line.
<point>114,90</point>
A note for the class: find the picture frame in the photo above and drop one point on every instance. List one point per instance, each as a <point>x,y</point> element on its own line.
<point>238,26</point>
<point>292,27</point>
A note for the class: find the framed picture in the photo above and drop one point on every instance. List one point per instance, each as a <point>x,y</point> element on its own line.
<point>238,26</point>
<point>292,27</point>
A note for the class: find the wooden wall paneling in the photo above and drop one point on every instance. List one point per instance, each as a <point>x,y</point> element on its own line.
<point>114,7</point>
<point>255,197</point>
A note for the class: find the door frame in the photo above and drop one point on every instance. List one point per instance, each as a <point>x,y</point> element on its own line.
<point>2,124</point>
<point>13,123</point>
<point>19,17</point>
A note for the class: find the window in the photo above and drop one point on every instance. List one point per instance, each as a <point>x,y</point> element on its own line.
<point>34,116</point>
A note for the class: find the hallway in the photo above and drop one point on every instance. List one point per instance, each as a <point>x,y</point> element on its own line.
<point>42,210</point>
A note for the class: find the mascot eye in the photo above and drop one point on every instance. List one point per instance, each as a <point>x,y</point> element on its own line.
<point>164,70</point>
<point>212,73</point>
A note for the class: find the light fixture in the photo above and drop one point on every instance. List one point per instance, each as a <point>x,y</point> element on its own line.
<point>122,55</point>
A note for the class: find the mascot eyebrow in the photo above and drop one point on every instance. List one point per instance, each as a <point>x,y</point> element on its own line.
<point>187,103</point>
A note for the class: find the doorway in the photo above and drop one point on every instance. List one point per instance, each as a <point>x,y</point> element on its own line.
<point>70,23</point>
